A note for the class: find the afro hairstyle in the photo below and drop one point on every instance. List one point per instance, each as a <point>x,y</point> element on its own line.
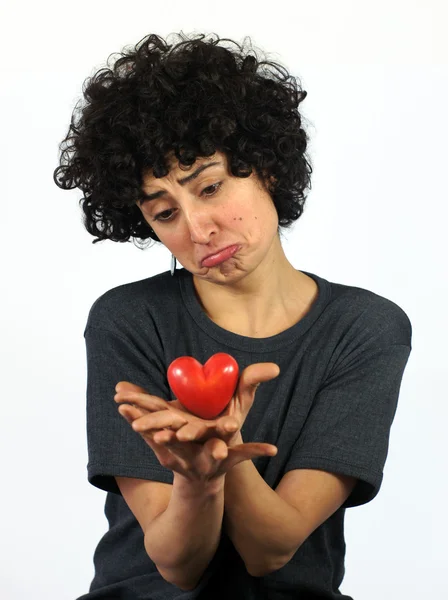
<point>188,99</point>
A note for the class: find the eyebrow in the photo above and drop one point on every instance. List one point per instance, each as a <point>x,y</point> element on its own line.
<point>184,180</point>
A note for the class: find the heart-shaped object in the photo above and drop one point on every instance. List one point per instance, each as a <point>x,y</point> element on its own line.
<point>205,390</point>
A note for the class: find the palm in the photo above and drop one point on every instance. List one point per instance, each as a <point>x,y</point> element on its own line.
<point>226,426</point>
<point>198,449</point>
<point>205,460</point>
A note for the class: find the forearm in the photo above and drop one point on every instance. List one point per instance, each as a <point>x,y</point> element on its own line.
<point>183,539</point>
<point>258,521</point>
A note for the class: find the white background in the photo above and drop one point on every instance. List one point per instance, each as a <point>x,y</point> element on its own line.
<point>376,76</point>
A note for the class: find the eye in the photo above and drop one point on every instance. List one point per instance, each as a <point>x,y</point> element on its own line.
<point>215,187</point>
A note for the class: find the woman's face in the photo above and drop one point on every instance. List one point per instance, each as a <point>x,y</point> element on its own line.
<point>209,212</point>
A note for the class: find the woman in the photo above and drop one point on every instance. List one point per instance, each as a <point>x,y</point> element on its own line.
<point>201,148</point>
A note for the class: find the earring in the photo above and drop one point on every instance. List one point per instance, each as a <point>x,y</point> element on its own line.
<point>173,264</point>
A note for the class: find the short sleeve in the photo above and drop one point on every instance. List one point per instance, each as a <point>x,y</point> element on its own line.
<point>114,448</point>
<point>348,426</point>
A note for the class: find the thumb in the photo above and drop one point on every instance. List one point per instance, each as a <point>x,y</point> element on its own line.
<point>252,376</point>
<point>248,451</point>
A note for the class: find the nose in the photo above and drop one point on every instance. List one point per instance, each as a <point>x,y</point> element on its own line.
<point>200,224</point>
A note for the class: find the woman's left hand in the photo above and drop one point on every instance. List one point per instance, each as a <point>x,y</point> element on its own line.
<point>181,425</point>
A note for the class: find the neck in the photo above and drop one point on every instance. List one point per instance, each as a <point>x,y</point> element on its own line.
<point>269,299</point>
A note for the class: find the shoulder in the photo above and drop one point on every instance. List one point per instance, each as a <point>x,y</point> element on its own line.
<point>130,299</point>
<point>362,312</point>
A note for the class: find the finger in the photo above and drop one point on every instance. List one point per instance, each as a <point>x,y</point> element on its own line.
<point>127,385</point>
<point>248,382</point>
<point>194,431</point>
<point>257,373</point>
<point>216,448</point>
<point>164,437</point>
<point>158,420</point>
<point>248,451</point>
<point>146,401</point>
<point>201,430</point>
<point>226,425</point>
<point>254,449</point>
<point>130,413</point>
<point>176,404</point>
<point>171,454</point>
<point>262,448</point>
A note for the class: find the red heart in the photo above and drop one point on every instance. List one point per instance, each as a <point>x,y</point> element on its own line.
<point>205,390</point>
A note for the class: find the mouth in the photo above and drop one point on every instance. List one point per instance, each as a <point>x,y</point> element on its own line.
<point>220,256</point>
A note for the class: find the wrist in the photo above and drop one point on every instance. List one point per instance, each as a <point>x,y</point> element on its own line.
<point>191,488</point>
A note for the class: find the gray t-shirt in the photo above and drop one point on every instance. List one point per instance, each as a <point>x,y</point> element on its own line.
<point>331,408</point>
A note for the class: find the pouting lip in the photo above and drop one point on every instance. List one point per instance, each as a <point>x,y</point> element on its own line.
<point>217,251</point>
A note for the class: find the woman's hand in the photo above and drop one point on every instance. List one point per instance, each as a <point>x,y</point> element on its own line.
<point>189,427</point>
<point>196,461</point>
<point>165,418</point>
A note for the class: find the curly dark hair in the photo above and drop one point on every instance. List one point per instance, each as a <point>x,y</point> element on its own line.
<point>190,99</point>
